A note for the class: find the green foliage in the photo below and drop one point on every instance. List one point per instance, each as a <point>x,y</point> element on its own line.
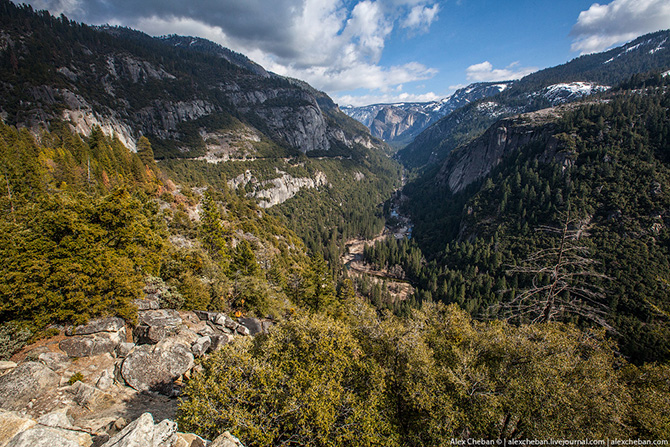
<point>13,337</point>
<point>429,378</point>
<point>76,377</point>
<point>307,382</point>
<point>610,165</point>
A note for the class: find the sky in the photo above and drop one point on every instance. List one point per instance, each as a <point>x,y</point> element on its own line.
<point>372,51</point>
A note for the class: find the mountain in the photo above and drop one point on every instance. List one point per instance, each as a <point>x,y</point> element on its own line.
<point>398,124</point>
<point>212,117</point>
<point>134,85</point>
<point>546,88</point>
<point>493,211</point>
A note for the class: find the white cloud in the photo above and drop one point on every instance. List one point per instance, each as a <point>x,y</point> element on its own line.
<point>421,17</point>
<point>603,26</point>
<point>335,45</point>
<point>484,72</point>
<point>364,100</point>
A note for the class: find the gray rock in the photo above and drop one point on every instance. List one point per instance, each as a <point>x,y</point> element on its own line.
<point>148,303</point>
<point>55,419</point>
<point>84,394</point>
<point>231,324</point>
<point>124,348</point>
<point>155,325</point>
<point>220,320</point>
<point>253,324</point>
<point>242,330</point>
<point>265,325</point>
<point>11,424</point>
<point>226,440</point>
<point>164,433</point>
<point>54,360</point>
<point>207,330</point>
<point>26,382</point>
<point>111,324</point>
<point>204,315</point>
<point>139,433</point>
<point>218,341</point>
<point>105,381</point>
<point>201,345</point>
<point>94,344</point>
<point>155,367</point>
<point>45,437</point>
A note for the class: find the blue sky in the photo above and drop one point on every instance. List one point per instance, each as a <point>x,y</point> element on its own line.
<point>368,51</point>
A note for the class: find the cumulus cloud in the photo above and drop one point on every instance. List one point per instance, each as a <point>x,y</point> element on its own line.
<point>335,45</point>
<point>484,72</point>
<point>603,26</point>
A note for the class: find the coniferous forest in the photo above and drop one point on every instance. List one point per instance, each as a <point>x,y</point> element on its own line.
<point>540,304</point>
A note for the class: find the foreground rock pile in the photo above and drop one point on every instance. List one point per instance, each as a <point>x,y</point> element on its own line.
<point>105,383</point>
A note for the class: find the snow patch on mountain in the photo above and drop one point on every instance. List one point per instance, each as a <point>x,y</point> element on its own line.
<point>566,92</point>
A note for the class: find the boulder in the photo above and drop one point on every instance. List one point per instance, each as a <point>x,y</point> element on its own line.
<point>201,345</point>
<point>54,360</point>
<point>139,433</point>
<point>155,325</point>
<point>155,367</point>
<point>94,344</point>
<point>26,382</point>
<point>253,324</point>
<point>50,437</point>
<point>226,440</point>
<point>85,395</point>
<point>110,324</point>
<point>206,330</point>
<point>11,424</point>
<point>205,315</point>
<point>220,320</point>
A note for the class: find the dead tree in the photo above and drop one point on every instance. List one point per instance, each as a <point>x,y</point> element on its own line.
<point>564,281</point>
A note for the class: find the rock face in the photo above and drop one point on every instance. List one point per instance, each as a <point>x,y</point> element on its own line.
<point>25,383</point>
<point>278,190</point>
<point>155,368</point>
<point>475,160</point>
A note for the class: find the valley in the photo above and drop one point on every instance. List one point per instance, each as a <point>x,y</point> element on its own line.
<point>196,251</point>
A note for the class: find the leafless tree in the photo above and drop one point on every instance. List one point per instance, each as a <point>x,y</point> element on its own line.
<point>572,286</point>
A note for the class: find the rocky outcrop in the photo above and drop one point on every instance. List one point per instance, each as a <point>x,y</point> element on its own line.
<point>277,190</point>
<point>26,382</point>
<point>475,160</point>
<point>56,430</point>
<point>155,325</point>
